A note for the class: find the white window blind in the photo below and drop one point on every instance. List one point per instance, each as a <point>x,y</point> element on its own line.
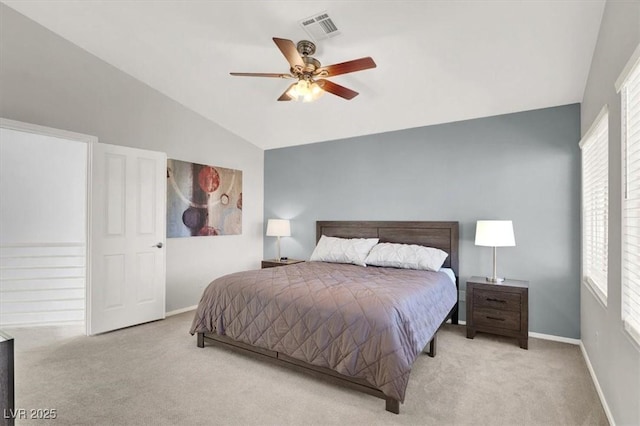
<point>595,204</point>
<point>631,202</point>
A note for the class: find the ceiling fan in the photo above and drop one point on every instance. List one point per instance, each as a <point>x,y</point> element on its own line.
<point>310,73</point>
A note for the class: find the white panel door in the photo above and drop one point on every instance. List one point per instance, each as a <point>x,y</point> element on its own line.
<point>128,226</point>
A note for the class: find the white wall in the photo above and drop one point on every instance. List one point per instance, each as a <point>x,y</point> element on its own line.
<point>42,229</point>
<point>43,187</point>
<point>46,80</point>
<point>613,355</point>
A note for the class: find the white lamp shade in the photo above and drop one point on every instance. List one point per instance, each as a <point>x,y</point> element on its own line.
<point>495,233</point>
<point>278,228</point>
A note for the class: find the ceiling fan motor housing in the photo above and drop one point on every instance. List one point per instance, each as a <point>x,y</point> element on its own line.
<point>306,48</point>
<point>310,65</point>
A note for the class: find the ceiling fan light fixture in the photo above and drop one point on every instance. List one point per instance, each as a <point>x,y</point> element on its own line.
<point>305,90</point>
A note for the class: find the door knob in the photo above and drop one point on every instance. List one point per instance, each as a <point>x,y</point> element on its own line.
<point>159,245</point>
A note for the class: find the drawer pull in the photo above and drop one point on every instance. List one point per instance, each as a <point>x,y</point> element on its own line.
<point>491,299</point>
<point>495,319</point>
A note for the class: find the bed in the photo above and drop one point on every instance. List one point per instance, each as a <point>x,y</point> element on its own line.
<point>360,327</point>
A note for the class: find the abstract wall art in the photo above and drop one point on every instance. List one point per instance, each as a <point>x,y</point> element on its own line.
<point>203,200</point>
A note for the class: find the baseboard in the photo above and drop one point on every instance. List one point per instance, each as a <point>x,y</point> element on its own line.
<point>181,310</point>
<point>555,338</point>
<point>543,336</point>
<point>603,401</point>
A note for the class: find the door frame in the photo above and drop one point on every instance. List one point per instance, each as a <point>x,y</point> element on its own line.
<point>90,141</point>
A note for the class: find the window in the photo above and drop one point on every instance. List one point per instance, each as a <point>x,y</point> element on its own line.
<point>630,94</point>
<point>595,205</point>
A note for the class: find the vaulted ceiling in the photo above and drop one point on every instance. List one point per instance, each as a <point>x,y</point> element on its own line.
<point>437,61</point>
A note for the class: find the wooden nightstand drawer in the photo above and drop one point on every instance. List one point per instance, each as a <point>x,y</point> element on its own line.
<point>496,300</point>
<point>496,318</point>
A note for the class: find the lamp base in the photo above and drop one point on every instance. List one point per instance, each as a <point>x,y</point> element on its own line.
<point>495,280</point>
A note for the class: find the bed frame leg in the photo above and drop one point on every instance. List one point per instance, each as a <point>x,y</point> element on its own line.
<point>392,405</point>
<point>432,346</point>
<point>454,317</point>
<point>201,340</point>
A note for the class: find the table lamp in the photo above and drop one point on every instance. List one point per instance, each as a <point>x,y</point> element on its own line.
<point>278,228</point>
<point>495,233</point>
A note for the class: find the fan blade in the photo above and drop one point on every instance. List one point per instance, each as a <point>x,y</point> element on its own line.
<point>261,74</point>
<point>284,96</point>
<point>290,52</point>
<point>336,89</point>
<point>347,67</point>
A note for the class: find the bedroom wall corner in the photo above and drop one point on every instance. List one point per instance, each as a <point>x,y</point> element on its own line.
<point>46,80</point>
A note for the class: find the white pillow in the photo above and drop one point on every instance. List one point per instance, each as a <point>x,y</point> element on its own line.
<point>343,250</point>
<point>406,256</point>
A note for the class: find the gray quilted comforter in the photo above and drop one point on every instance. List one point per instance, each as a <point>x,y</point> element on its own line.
<point>364,322</point>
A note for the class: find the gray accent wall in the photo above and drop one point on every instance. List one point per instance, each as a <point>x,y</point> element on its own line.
<point>614,357</point>
<point>46,80</point>
<point>523,167</point>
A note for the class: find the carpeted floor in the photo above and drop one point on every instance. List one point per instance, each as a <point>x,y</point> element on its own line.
<point>154,374</point>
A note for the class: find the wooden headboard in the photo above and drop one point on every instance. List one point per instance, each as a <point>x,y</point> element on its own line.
<point>442,235</point>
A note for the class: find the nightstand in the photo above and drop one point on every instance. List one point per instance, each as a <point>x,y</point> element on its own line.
<point>272,263</point>
<point>498,308</point>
